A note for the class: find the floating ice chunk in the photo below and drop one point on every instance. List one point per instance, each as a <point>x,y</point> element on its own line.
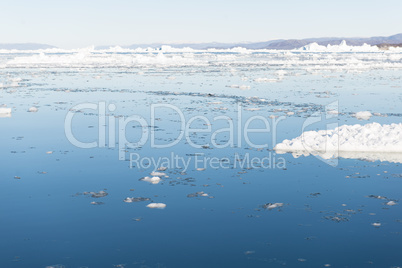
<point>96,194</point>
<point>33,110</point>
<point>369,142</point>
<point>365,115</point>
<point>5,112</point>
<point>162,168</point>
<point>153,180</point>
<point>272,205</point>
<point>376,224</point>
<point>377,197</point>
<point>156,205</point>
<point>263,79</point>
<point>197,194</point>
<point>243,87</point>
<point>391,203</point>
<point>135,199</point>
<point>97,203</point>
<point>157,174</point>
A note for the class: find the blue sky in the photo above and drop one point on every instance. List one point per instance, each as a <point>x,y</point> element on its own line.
<point>70,24</point>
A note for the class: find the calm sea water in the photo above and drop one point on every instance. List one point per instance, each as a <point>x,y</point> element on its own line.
<point>326,217</point>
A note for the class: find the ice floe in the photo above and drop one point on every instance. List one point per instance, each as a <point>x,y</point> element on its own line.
<point>96,194</point>
<point>157,205</point>
<point>365,115</point>
<point>369,142</point>
<point>270,206</point>
<point>135,199</point>
<point>153,180</point>
<point>158,174</point>
<point>391,203</point>
<point>32,109</point>
<point>5,112</point>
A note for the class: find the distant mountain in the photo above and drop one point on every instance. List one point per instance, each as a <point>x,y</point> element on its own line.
<point>279,44</point>
<point>25,46</point>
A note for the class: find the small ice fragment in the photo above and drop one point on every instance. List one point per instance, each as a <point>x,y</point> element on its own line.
<point>376,224</point>
<point>391,203</point>
<point>96,194</point>
<point>97,203</point>
<point>162,168</point>
<point>33,110</point>
<point>365,115</point>
<point>197,194</point>
<point>156,205</point>
<point>272,205</point>
<point>157,174</point>
<point>153,180</point>
<point>200,169</point>
<point>263,79</point>
<point>49,152</point>
<point>135,199</point>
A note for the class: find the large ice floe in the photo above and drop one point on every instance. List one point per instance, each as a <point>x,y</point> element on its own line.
<point>368,142</point>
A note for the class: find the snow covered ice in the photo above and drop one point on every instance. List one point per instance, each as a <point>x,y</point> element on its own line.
<point>157,205</point>
<point>371,141</point>
<point>365,115</point>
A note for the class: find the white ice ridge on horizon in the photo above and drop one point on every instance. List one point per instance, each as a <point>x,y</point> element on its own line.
<point>370,142</point>
<point>342,47</point>
<point>312,47</point>
<point>311,58</point>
